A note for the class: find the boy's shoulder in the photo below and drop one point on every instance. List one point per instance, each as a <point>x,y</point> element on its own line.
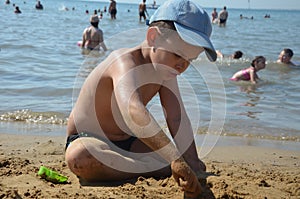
<point>121,53</point>
<point>123,57</point>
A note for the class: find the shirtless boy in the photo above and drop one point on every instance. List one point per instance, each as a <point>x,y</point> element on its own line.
<point>111,134</point>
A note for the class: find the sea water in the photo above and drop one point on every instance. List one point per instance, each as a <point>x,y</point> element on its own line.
<point>42,69</point>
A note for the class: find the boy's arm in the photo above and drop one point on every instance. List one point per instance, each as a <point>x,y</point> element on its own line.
<point>179,124</point>
<point>144,126</point>
<point>136,116</point>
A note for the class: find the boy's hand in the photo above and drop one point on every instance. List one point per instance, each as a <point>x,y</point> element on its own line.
<point>186,178</point>
<point>197,165</point>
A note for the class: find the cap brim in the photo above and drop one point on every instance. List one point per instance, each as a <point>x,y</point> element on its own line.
<point>197,39</point>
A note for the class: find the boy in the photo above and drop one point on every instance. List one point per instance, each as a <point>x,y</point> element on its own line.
<point>111,134</point>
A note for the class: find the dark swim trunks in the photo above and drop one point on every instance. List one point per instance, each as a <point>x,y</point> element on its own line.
<point>123,144</point>
<point>113,11</point>
<point>142,14</point>
<point>222,20</point>
<point>89,48</point>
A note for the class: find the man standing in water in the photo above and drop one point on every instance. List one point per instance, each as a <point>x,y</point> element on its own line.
<point>143,10</point>
<point>223,16</point>
<point>112,9</point>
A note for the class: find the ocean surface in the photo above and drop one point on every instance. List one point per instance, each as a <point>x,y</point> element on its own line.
<point>42,68</point>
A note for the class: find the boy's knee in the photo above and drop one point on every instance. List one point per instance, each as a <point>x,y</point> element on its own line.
<point>77,158</point>
<point>80,161</point>
<point>74,157</point>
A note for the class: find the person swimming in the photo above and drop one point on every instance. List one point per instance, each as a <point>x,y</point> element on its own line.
<point>285,57</point>
<point>250,74</point>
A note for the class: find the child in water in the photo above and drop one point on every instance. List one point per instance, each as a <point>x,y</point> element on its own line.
<point>250,74</point>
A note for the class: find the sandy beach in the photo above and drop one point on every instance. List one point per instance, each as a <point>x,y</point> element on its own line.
<point>232,172</point>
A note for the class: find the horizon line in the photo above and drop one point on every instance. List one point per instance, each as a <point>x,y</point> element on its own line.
<point>243,8</point>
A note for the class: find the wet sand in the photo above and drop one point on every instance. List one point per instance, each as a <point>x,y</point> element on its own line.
<point>232,172</point>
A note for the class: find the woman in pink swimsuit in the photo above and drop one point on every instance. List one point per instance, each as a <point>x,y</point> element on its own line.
<point>249,74</point>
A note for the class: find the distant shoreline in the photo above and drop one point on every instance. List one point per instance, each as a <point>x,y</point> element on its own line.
<point>206,7</point>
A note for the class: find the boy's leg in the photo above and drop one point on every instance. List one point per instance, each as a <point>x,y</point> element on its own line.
<point>94,160</point>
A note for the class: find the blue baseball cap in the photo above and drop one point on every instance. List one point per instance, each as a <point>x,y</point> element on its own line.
<point>191,22</point>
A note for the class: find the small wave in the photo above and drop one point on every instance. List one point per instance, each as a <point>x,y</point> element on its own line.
<point>233,62</point>
<point>247,85</point>
<point>282,67</point>
<point>260,136</point>
<point>28,116</point>
<point>267,137</point>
